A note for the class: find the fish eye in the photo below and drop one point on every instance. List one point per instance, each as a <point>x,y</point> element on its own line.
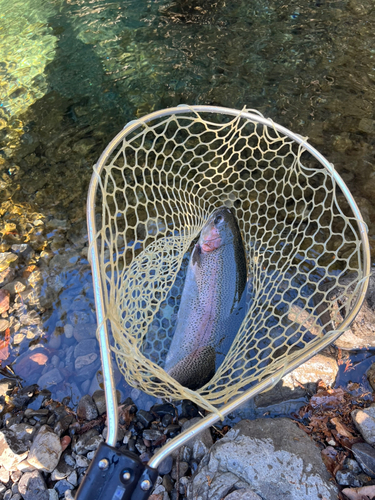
<point>218,219</point>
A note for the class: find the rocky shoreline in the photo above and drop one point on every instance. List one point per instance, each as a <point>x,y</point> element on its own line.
<point>46,447</point>
<point>52,407</point>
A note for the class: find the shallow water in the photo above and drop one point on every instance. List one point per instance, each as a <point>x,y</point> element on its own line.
<point>73,72</point>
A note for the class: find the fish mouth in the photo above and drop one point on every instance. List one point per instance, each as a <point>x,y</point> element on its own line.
<point>211,244</point>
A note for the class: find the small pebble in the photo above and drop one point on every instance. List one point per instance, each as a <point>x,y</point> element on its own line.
<point>145,418</point>
<point>347,478</point>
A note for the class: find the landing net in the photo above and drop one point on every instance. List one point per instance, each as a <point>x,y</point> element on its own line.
<point>307,252</point>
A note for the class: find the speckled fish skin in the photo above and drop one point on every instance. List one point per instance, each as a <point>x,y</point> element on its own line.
<point>215,282</point>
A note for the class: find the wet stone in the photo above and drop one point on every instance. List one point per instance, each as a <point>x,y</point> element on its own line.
<point>347,478</point>
<point>30,318</point>
<point>164,409</point>
<point>24,250</point>
<point>88,442</point>
<point>87,409</point>
<point>6,386</point>
<point>7,276</point>
<point>62,471</point>
<point>4,324</point>
<point>183,468</point>
<point>144,417</point>
<point>8,495</point>
<point>68,331</point>
<point>82,332</point>
<point>165,466</point>
<point>6,258</point>
<point>38,401</point>
<point>99,399</point>
<point>172,430</point>
<point>364,420</point>
<point>54,341</point>
<point>4,475</point>
<point>62,486</point>
<point>81,461</point>
<point>166,420</point>
<point>365,456</point>
<point>4,301</point>
<point>189,409</point>
<point>23,431</point>
<point>168,483</point>
<point>85,360</point>
<point>72,478</point>
<point>12,449</point>
<point>352,465</point>
<point>52,377</point>
<point>16,476</point>
<point>63,424</point>
<point>85,347</point>
<point>152,434</point>
<point>33,487</point>
<point>88,370</point>
<point>29,412</point>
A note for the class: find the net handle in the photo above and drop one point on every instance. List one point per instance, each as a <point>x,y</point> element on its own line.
<point>105,351</point>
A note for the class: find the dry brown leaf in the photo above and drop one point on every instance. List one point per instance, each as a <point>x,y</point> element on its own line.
<point>328,399</point>
<point>159,496</point>
<point>341,428</point>
<point>125,414</point>
<point>364,493</point>
<point>329,456</point>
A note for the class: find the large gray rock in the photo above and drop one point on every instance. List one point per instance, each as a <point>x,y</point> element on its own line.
<point>32,486</point>
<point>46,450</point>
<point>272,457</point>
<point>243,494</point>
<point>12,450</point>
<point>364,420</point>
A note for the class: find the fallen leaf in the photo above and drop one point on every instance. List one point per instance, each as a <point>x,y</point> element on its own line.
<point>4,346</point>
<point>126,414</point>
<point>329,456</point>
<point>328,399</point>
<point>341,428</point>
<point>364,493</point>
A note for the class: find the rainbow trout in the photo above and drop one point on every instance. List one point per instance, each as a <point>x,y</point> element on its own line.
<point>211,308</point>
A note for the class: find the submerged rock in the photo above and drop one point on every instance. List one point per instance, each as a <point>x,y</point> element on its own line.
<point>361,333</point>
<point>272,457</point>
<point>320,367</point>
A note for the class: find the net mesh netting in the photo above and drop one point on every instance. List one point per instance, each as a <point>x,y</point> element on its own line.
<point>157,189</point>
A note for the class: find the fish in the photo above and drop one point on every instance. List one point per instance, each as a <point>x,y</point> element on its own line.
<point>212,302</point>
